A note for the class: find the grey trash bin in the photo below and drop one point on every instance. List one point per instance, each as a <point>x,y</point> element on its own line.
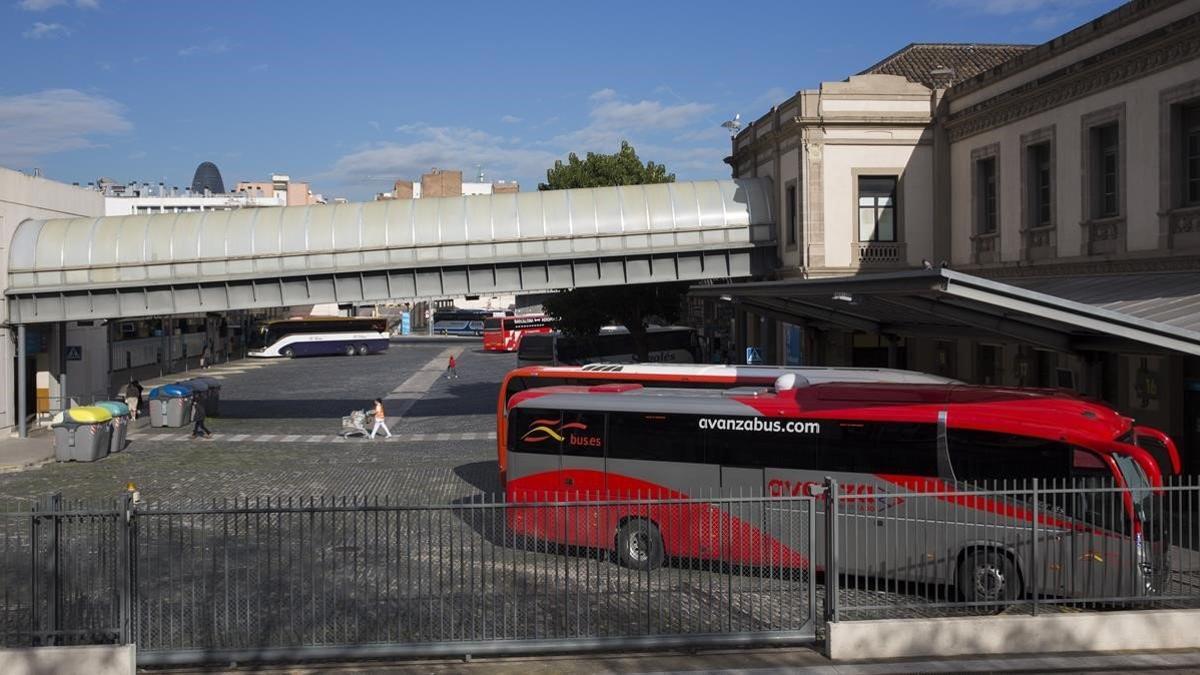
<point>200,390</point>
<point>120,423</point>
<point>171,406</point>
<point>214,395</point>
<point>82,434</point>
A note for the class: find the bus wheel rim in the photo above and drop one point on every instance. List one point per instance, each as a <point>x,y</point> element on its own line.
<point>639,546</point>
<point>989,581</point>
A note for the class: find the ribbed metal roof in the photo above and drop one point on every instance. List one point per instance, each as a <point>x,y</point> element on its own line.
<point>144,250</point>
<point>1171,298</point>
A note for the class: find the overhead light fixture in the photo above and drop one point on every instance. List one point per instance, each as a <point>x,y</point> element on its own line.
<point>726,298</point>
<point>843,297</point>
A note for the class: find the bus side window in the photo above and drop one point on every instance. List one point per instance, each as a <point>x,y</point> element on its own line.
<point>534,431</point>
<point>882,448</point>
<point>583,434</point>
<point>988,456</point>
<point>754,449</point>
<point>654,437</point>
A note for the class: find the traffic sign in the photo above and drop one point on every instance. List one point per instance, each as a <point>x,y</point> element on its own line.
<point>74,353</point>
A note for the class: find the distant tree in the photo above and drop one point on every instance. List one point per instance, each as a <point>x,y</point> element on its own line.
<point>621,168</point>
<point>581,312</point>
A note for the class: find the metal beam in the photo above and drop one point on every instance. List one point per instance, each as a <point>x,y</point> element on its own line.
<point>789,309</point>
<point>996,323</point>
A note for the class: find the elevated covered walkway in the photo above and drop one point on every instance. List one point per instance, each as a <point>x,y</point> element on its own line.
<point>115,267</point>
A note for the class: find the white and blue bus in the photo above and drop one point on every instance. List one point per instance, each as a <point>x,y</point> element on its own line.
<point>460,321</point>
<point>314,337</point>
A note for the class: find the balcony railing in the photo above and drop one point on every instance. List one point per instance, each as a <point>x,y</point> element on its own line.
<point>878,253</point>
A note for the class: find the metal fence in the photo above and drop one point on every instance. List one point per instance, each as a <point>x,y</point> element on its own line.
<point>327,578</point>
<point>1015,547</point>
<point>284,578</point>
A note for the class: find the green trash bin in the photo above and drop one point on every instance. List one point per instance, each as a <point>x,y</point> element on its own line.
<point>120,423</point>
<point>82,434</point>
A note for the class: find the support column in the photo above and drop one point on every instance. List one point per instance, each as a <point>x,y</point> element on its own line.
<point>21,402</point>
<point>771,342</point>
<point>739,335</point>
<point>893,351</point>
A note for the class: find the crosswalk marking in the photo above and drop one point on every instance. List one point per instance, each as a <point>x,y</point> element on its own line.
<point>298,438</point>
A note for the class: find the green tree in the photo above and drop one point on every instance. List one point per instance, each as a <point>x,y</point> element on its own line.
<point>621,168</point>
<point>582,311</point>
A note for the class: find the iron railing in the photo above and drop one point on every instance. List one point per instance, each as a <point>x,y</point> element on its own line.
<point>290,578</point>
<point>321,577</point>
<point>1014,547</point>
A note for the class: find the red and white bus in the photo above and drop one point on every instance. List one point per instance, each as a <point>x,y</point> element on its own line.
<point>696,376</point>
<point>625,441</point>
<point>504,333</point>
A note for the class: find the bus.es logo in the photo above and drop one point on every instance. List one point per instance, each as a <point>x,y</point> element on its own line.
<point>544,430</point>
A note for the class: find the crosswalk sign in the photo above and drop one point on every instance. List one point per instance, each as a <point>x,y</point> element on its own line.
<point>74,353</point>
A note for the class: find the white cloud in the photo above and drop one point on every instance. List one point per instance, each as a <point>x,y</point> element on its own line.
<point>219,46</point>
<point>1007,7</point>
<point>603,95</point>
<point>46,31</point>
<point>55,120</point>
<point>443,147</point>
<point>43,5</point>
<point>511,119</point>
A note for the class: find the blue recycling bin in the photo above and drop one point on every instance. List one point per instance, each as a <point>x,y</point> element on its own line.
<point>171,405</point>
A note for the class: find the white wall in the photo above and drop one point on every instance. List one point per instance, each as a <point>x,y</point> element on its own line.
<point>1141,99</point>
<point>916,165</point>
<point>23,197</point>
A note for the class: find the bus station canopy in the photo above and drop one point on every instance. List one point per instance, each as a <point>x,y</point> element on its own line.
<point>1121,312</point>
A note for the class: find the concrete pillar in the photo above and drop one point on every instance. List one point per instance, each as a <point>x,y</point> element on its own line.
<point>893,351</point>
<point>21,402</point>
<point>739,335</point>
<point>771,341</point>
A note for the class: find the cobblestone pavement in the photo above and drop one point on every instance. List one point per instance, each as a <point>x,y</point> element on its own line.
<point>277,434</point>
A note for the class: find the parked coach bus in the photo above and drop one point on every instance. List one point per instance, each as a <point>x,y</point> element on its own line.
<point>313,337</point>
<point>665,344</point>
<point>696,376</point>
<point>626,442</point>
<point>504,333</point>
<point>460,321</point>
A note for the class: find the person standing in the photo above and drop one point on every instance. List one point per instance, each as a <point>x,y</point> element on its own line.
<point>380,420</point>
<point>133,397</point>
<point>452,369</point>
<point>205,357</point>
<point>198,416</point>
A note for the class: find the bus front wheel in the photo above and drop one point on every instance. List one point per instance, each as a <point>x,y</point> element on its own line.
<point>288,352</point>
<point>640,545</point>
<point>988,575</point>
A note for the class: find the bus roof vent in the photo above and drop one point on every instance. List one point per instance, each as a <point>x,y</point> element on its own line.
<point>790,381</point>
<point>602,368</point>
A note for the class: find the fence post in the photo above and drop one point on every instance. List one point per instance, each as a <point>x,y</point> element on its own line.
<point>125,589</point>
<point>1033,556</point>
<point>832,566</point>
<point>35,571</point>
<point>55,569</point>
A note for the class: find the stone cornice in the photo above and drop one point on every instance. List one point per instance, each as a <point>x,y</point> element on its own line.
<point>1125,265</point>
<point>795,128</point>
<point>1168,46</point>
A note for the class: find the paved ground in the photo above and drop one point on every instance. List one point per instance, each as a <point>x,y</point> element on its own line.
<point>277,434</point>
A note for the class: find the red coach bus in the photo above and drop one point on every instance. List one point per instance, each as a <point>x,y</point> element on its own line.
<point>624,441</point>
<point>696,376</point>
<point>504,333</point>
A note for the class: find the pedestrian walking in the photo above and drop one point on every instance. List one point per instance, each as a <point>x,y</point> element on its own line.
<point>205,357</point>
<point>133,397</point>
<point>452,369</point>
<point>198,415</point>
<point>381,420</point>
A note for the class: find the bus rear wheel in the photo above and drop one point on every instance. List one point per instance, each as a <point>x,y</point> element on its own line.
<point>288,352</point>
<point>639,545</point>
<point>987,575</point>
<point>362,350</point>
<point>350,351</point>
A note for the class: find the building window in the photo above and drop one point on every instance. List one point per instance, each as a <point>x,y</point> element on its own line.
<point>1040,195</point>
<point>1106,180</point>
<point>1190,117</point>
<point>877,208</point>
<point>790,210</point>
<point>985,175</point>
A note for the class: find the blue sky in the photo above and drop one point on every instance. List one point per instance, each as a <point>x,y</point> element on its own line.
<point>353,95</point>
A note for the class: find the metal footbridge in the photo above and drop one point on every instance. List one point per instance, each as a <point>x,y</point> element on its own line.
<point>115,267</point>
